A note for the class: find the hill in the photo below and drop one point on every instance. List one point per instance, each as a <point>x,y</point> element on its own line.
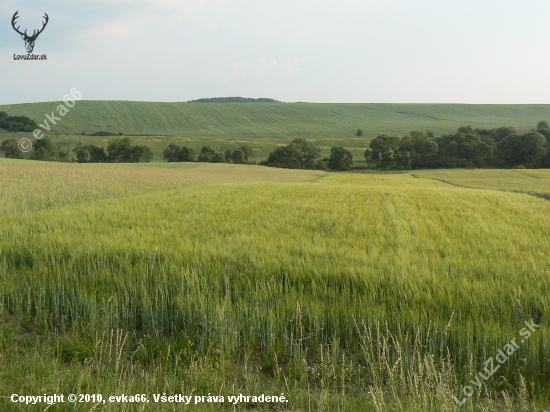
<point>278,120</point>
<point>234,100</point>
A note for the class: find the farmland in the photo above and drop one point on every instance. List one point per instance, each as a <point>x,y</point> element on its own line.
<point>264,126</point>
<point>358,291</point>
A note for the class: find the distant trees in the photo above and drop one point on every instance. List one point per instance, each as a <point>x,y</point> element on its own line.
<point>44,150</point>
<point>90,154</point>
<point>175,153</point>
<point>209,155</point>
<point>299,154</point>
<point>11,149</point>
<point>359,132</point>
<point>383,152</point>
<point>518,149</point>
<point>340,159</point>
<point>499,147</point>
<point>17,123</point>
<point>119,150</point>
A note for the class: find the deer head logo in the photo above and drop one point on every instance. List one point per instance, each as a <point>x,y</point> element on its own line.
<point>29,40</point>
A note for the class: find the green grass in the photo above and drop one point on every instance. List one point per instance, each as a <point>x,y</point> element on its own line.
<point>264,126</point>
<point>533,182</point>
<point>347,292</point>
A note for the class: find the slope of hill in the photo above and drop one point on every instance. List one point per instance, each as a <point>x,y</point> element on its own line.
<point>286,120</point>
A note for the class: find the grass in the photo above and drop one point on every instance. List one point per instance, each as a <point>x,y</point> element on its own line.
<point>346,292</point>
<point>533,182</point>
<point>264,126</point>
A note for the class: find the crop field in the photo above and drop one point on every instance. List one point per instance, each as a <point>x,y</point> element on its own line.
<point>534,182</point>
<point>264,126</point>
<point>342,291</point>
<point>278,120</point>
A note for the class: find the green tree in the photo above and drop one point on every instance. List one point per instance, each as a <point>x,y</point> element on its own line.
<point>207,154</point>
<point>359,132</point>
<point>340,159</point>
<point>382,152</point>
<point>417,151</point>
<point>11,148</point>
<point>299,154</point>
<point>542,125</point>
<point>171,153</point>
<point>522,149</point>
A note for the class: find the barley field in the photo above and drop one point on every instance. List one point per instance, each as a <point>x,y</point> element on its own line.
<point>344,292</point>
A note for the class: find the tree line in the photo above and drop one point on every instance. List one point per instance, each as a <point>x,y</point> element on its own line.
<point>119,150</point>
<point>502,147</point>
<point>299,154</point>
<point>16,123</point>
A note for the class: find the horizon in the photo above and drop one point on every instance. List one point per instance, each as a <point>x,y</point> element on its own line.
<point>318,52</point>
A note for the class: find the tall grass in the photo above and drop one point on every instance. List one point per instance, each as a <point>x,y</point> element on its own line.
<point>351,292</point>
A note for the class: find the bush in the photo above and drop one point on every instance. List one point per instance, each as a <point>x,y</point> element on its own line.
<point>11,149</point>
<point>102,133</point>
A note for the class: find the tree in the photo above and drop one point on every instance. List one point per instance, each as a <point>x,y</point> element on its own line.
<point>140,154</point>
<point>522,149</point>
<point>359,132</point>
<point>11,148</point>
<point>186,154</point>
<point>171,153</point>
<point>17,123</point>
<point>382,151</point>
<point>542,125</point>
<point>234,156</point>
<point>417,151</point>
<point>207,154</point>
<point>299,154</point>
<point>119,150</point>
<point>122,151</point>
<point>464,149</point>
<point>340,159</point>
<point>45,151</point>
<point>90,154</point>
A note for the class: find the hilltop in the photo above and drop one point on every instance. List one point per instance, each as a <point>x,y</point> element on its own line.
<point>234,100</point>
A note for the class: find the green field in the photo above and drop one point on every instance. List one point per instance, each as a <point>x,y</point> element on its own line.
<point>345,292</point>
<point>264,126</point>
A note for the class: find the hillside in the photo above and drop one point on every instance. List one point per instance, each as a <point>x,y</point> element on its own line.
<point>278,120</point>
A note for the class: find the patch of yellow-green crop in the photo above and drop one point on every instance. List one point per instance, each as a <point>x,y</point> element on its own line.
<point>344,291</point>
<point>28,186</point>
<point>531,181</point>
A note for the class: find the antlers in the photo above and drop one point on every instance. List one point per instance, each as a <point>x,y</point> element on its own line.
<point>35,33</point>
<point>43,25</point>
<point>15,17</point>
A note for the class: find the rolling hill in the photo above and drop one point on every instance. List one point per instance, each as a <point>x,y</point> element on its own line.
<point>278,120</point>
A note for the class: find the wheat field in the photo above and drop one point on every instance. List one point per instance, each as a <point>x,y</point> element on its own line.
<point>345,292</point>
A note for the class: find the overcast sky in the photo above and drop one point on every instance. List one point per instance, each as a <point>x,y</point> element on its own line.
<point>426,51</point>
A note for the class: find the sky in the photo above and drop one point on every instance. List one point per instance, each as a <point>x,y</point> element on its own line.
<point>371,51</point>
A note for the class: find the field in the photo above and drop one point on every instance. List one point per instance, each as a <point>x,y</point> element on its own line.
<point>345,292</point>
<point>264,126</point>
